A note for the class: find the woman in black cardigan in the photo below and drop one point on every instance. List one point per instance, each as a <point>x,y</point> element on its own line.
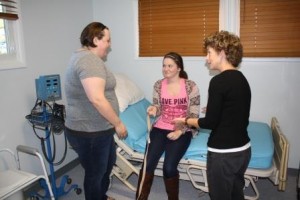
<point>227,115</point>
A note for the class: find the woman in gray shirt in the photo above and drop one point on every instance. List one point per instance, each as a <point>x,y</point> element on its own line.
<point>92,110</point>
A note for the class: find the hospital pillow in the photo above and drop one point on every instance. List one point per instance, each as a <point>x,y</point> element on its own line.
<point>127,91</point>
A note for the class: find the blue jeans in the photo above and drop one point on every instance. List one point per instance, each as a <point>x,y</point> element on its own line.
<point>97,155</point>
<point>174,151</point>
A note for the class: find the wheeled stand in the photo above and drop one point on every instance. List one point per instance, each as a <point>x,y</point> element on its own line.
<point>58,190</point>
<point>48,117</point>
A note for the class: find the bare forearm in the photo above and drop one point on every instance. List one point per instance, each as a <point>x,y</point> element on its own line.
<point>192,122</point>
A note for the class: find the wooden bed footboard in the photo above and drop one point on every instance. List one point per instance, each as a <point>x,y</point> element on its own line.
<point>281,154</point>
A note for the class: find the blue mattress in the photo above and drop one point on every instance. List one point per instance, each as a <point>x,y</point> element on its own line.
<point>134,117</point>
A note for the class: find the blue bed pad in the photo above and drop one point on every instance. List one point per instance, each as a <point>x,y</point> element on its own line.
<point>134,117</point>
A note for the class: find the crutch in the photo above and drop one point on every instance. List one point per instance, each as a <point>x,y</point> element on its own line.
<point>149,125</point>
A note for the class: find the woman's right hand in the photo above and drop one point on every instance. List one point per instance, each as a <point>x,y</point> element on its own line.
<point>121,130</point>
<point>152,110</point>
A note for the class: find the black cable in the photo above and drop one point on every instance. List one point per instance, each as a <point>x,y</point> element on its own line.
<point>65,152</point>
<point>33,118</point>
<point>50,119</point>
<point>58,118</point>
<point>49,160</point>
<point>47,136</point>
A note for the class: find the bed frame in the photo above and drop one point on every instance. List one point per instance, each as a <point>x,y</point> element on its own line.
<point>129,163</point>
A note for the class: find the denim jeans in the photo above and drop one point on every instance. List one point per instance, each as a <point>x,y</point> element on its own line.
<point>174,151</point>
<point>97,155</point>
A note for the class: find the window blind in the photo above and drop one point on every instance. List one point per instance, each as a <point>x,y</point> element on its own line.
<point>176,25</point>
<point>8,10</point>
<point>270,28</point>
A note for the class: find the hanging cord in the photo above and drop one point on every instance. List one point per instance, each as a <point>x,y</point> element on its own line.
<point>144,165</point>
<point>37,117</point>
<point>58,125</point>
<point>51,160</point>
<point>50,119</point>
<point>53,153</point>
<point>65,152</point>
<point>58,118</point>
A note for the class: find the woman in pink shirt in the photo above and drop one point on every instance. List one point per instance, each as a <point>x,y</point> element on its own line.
<point>173,96</point>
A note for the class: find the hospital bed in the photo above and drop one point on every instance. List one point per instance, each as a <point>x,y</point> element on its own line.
<point>270,148</point>
<point>269,159</point>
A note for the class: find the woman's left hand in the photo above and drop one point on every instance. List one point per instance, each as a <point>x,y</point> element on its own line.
<point>152,110</point>
<point>174,135</point>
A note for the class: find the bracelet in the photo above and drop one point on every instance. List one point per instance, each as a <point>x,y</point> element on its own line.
<point>186,120</point>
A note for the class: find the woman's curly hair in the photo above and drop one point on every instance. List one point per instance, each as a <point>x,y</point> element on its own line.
<point>230,43</point>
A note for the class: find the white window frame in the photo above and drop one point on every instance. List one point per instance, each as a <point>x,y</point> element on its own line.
<point>16,55</point>
<point>229,16</point>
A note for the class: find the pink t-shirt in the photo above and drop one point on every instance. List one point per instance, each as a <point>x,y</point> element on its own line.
<point>172,106</point>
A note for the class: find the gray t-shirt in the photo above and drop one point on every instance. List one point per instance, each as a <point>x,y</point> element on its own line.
<point>81,115</point>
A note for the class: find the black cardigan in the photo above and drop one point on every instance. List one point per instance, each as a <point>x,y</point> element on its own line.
<point>227,112</point>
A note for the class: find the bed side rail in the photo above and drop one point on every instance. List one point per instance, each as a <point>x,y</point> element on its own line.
<point>281,154</point>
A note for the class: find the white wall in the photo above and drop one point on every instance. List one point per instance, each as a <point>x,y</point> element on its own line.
<point>51,33</point>
<point>274,82</point>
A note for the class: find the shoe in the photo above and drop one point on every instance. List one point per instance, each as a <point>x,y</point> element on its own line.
<point>110,198</point>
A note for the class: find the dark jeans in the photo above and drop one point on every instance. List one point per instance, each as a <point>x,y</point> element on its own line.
<point>225,174</point>
<point>174,151</point>
<point>97,155</point>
